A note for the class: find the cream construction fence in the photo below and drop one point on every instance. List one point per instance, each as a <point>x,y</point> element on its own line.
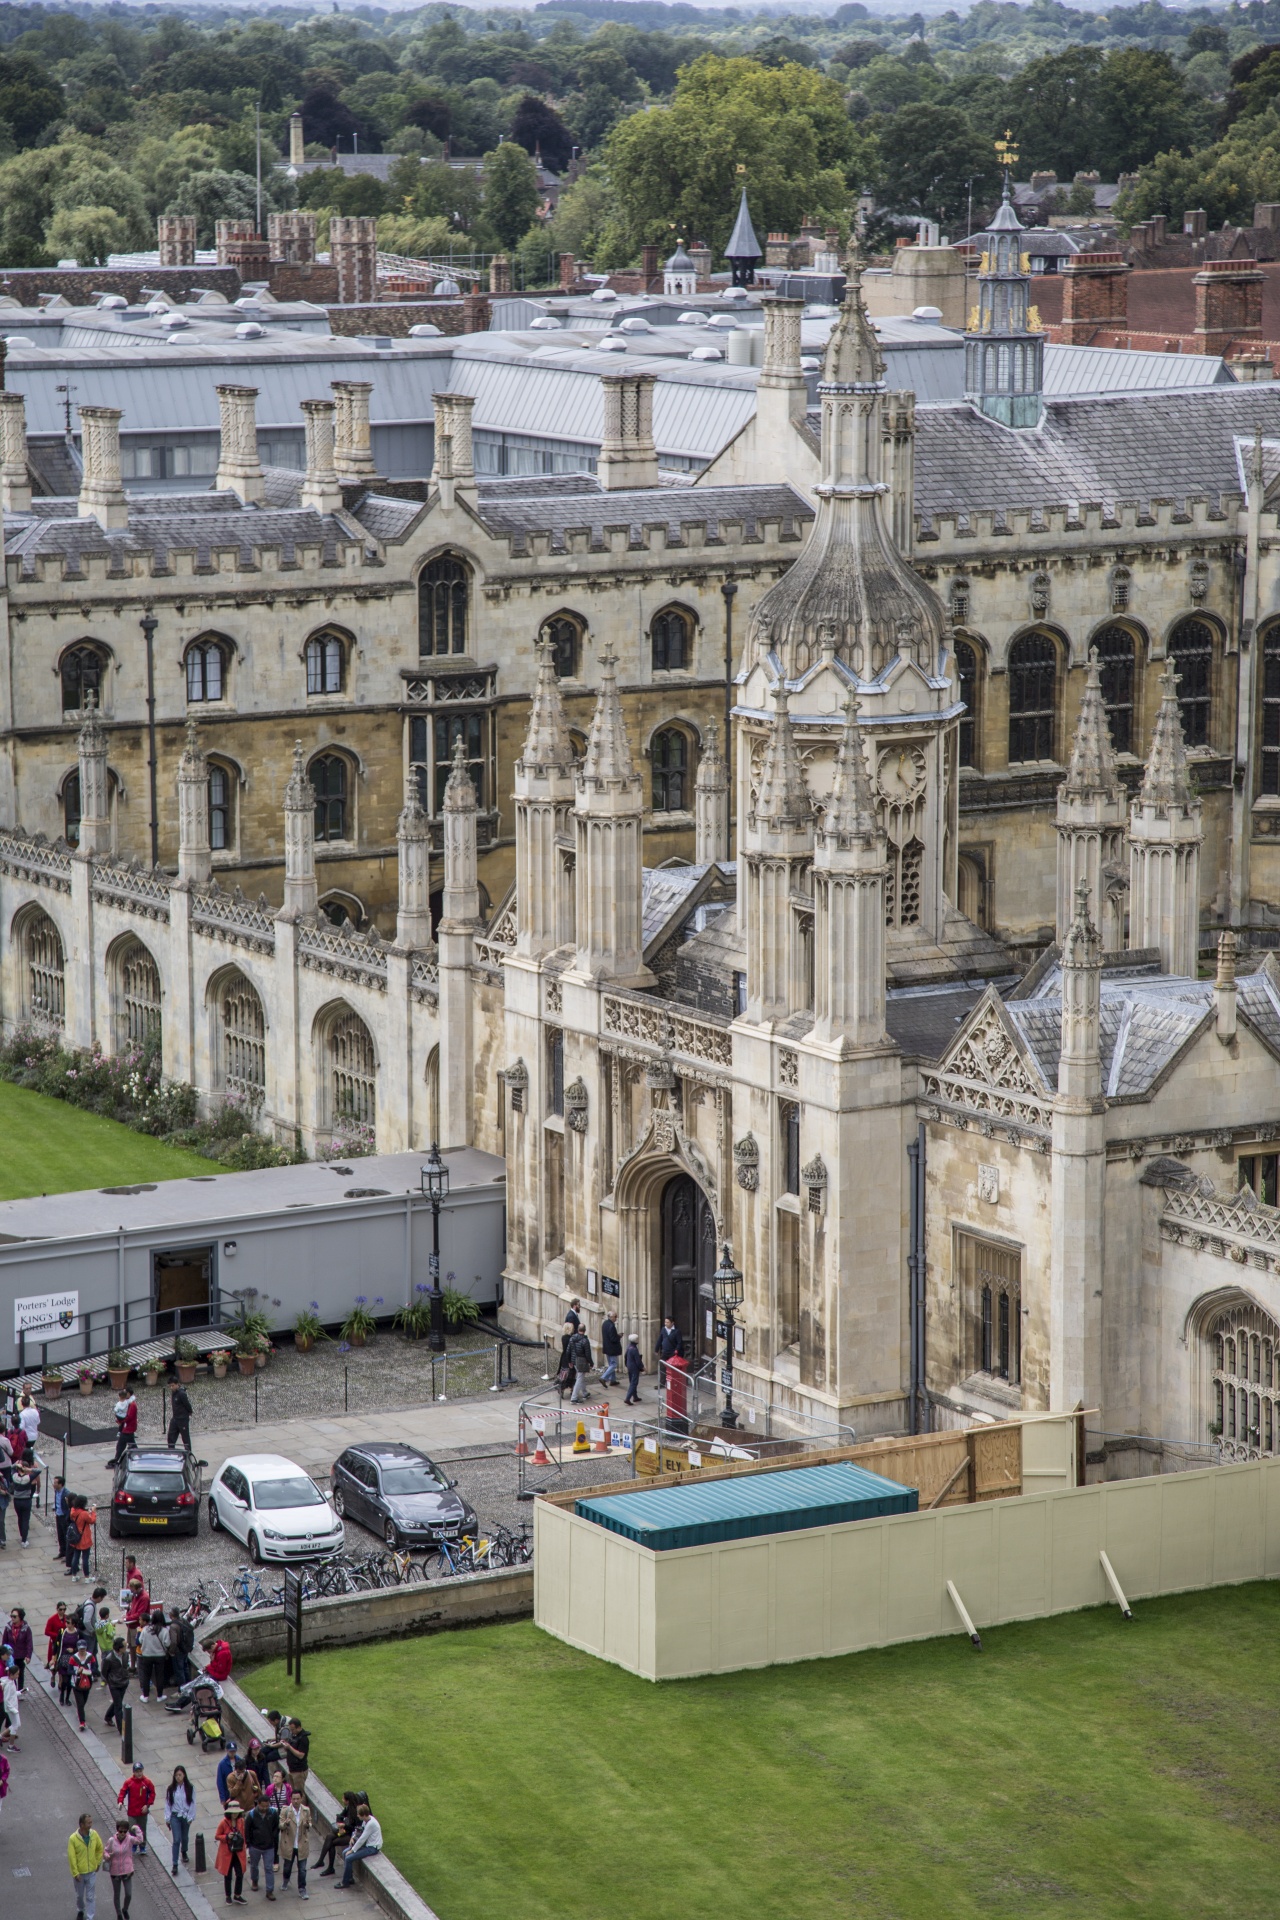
<point>873,1583</point>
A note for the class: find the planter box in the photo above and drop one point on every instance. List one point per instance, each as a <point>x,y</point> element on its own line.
<point>85,1386</point>
<point>186,1371</point>
<point>118,1376</point>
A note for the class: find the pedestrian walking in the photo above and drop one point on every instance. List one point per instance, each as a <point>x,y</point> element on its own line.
<point>182,1640</point>
<point>564,1371</point>
<point>152,1654</point>
<point>25,1482</point>
<point>66,1651</point>
<point>117,1857</point>
<point>634,1364</point>
<point>670,1346</point>
<point>340,1836</point>
<point>137,1796</point>
<point>366,1840</point>
<point>573,1317</point>
<point>84,1857</point>
<point>104,1633</point>
<point>126,1412</point>
<point>137,1613</point>
<point>279,1792</point>
<point>28,1419</point>
<point>59,1515</point>
<point>116,1673</point>
<point>179,1416</point>
<point>297,1754</point>
<point>17,1637</point>
<point>611,1347</point>
<point>53,1630</point>
<point>229,1859</point>
<point>581,1360</point>
<point>6,1494</point>
<point>82,1663</point>
<point>229,1764</point>
<point>295,1842</point>
<point>255,1760</point>
<point>242,1788</point>
<point>81,1517</point>
<point>179,1812</point>
<point>262,1833</point>
<point>11,1711</point>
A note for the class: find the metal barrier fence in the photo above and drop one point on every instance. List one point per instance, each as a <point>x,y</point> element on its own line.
<point>694,1401</point>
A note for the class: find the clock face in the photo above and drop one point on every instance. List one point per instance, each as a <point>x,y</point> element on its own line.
<point>900,774</point>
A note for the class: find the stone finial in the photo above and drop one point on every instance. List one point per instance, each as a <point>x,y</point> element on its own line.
<point>607,764</point>
<point>95,795</point>
<point>300,893</point>
<point>850,818</point>
<point>711,801</point>
<point>460,792</point>
<point>1079,1056</point>
<point>1083,944</point>
<point>460,905</point>
<point>15,480</point>
<point>413,869</point>
<point>1167,781</point>
<point>299,794</point>
<point>1224,987</point>
<point>547,742</point>
<point>1092,769</point>
<point>195,857</point>
<point>320,489</point>
<point>783,799</point>
<point>239,468</point>
<point>853,355</point>
<point>102,496</point>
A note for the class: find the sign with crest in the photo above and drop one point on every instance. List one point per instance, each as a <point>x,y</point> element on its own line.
<point>48,1315</point>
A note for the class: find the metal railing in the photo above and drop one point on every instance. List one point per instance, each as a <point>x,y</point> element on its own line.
<point>139,1328</point>
<point>697,1402</point>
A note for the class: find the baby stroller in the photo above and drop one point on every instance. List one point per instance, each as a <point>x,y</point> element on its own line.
<point>206,1717</point>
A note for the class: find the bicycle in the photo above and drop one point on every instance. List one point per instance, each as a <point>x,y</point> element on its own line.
<point>468,1555</point>
<point>248,1591</point>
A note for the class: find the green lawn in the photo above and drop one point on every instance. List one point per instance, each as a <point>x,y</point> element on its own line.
<point>50,1147</point>
<point>1078,1768</point>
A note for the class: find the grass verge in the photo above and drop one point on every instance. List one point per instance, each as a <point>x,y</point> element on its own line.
<point>1078,1768</point>
<point>54,1148</point>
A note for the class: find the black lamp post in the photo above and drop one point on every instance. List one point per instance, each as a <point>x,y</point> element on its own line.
<point>435,1188</point>
<point>727,1281</point>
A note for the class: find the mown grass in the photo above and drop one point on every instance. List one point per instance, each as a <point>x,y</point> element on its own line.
<point>1078,1768</point>
<point>50,1147</point>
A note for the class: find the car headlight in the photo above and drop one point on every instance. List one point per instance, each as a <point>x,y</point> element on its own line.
<point>271,1534</point>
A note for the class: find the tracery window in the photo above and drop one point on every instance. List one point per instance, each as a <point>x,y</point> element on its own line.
<point>44,969</point>
<point>672,638</point>
<point>1116,650</point>
<point>326,663</point>
<point>206,671</point>
<point>902,884</point>
<point>353,1071</point>
<point>1191,651</point>
<point>444,589</point>
<point>83,670</point>
<point>555,1071</point>
<point>328,775</point>
<point>1258,1170</point>
<point>244,1039</point>
<point>669,752</point>
<point>563,634</point>
<point>967,675</point>
<point>220,804</point>
<point>990,1282</point>
<point>1244,1352</point>
<point>140,1000</point>
<point>1271,711</point>
<point>71,809</point>
<point>789,1116</point>
<point>1033,692</point>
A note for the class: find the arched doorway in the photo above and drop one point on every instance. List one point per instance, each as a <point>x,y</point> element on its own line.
<point>688,1262</point>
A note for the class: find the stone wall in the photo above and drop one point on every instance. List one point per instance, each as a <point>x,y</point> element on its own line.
<point>434,1606</point>
<point>80,286</point>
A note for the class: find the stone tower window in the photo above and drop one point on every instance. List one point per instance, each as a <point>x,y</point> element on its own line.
<point>43,964</point>
<point>140,1000</point>
<point>83,670</point>
<point>206,671</point>
<point>221,822</point>
<point>1244,1354</point>
<point>672,638</point>
<point>563,632</point>
<point>960,602</point>
<point>1116,653</point>
<point>1191,651</point>
<point>326,663</point>
<point>990,1282</point>
<point>444,590</point>
<point>1271,711</point>
<point>329,777</point>
<point>967,675</point>
<point>244,1039</point>
<point>671,757</point>
<point>353,1072</point>
<point>1033,694</point>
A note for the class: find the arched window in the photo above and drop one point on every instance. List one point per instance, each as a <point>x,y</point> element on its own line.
<point>329,778</point>
<point>1241,1344</point>
<point>564,634</point>
<point>1270,771</point>
<point>343,910</point>
<point>444,589</point>
<point>1033,689</point>
<point>83,671</point>
<point>221,804</point>
<point>353,1072</point>
<point>1116,651</point>
<point>71,809</point>
<point>140,1004</point>
<point>206,670</point>
<point>1191,651</point>
<point>326,663</point>
<point>967,675</point>
<point>43,978</point>
<point>960,602</point>
<point>672,786</point>
<point>672,637</point>
<point>244,1039</point>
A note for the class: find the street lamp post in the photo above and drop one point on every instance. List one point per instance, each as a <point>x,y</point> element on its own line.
<point>435,1188</point>
<point>727,1281</point>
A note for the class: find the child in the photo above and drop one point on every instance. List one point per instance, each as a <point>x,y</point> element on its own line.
<point>105,1634</point>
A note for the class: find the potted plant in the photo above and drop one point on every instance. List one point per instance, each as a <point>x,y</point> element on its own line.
<point>84,1378</point>
<point>263,1353</point>
<point>118,1368</point>
<point>414,1321</point>
<point>52,1381</point>
<point>247,1352</point>
<point>187,1354</point>
<point>359,1323</point>
<point>308,1328</point>
<point>152,1369</point>
<point>220,1361</point>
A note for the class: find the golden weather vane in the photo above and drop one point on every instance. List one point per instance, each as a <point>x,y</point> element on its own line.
<point>1007,150</point>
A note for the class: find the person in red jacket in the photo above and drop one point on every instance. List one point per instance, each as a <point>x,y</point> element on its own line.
<point>137,1796</point>
<point>53,1631</point>
<point>218,1665</point>
<point>126,1423</point>
<point>136,1616</point>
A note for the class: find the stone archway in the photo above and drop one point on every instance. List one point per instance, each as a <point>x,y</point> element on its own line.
<point>664,1156</point>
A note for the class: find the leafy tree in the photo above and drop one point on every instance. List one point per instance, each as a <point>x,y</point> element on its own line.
<point>537,125</point>
<point>1051,108</point>
<point>1225,179</point>
<point>510,192</point>
<point>432,113</point>
<point>931,154</point>
<point>420,239</point>
<point>87,235</point>
<point>30,101</point>
<point>217,195</point>
<point>327,119</point>
<point>1144,107</point>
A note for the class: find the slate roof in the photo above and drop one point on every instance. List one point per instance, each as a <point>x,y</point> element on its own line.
<point>162,524</point>
<point>386,519</point>
<point>664,892</point>
<point>1124,447</point>
<point>521,509</point>
<point>925,1020</point>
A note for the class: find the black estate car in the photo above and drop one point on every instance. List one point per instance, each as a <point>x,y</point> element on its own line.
<point>399,1493</point>
<point>155,1490</point>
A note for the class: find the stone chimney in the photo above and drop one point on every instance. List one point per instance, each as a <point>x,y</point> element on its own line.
<point>1224,988</point>
<point>352,444</point>
<point>300,894</point>
<point>1095,293</point>
<point>291,237</point>
<point>1228,304</point>
<point>297,153</point>
<point>241,246</point>
<point>320,488</point>
<point>454,457</point>
<point>353,252</point>
<point>500,274</point>
<point>239,468</point>
<point>176,235</point>
<point>15,481</point>
<point>95,791</point>
<point>628,456</point>
<point>568,273</point>
<point>1195,223</point>
<point>101,489</point>
<point>195,858</point>
<point>475,313</point>
<point>781,394</point>
<point>413,866</point>
<point>649,258</point>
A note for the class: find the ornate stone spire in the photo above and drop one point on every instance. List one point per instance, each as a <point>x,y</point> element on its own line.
<point>784,800</point>
<point>607,765</point>
<point>544,789</point>
<point>1091,817</point>
<point>95,793</point>
<point>849,819</point>
<point>461,903</point>
<point>547,742</point>
<point>1078,1167</point>
<point>849,873</point>
<point>1165,832</point>
<point>608,867</point>
<point>413,869</point>
<point>711,801</point>
<point>195,858</point>
<point>777,850</point>
<point>300,895</point>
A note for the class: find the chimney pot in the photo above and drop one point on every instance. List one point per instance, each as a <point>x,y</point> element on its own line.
<point>239,468</point>
<point>102,496</point>
<point>320,489</point>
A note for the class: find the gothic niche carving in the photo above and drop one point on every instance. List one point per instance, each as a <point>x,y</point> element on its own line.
<point>517,1079</point>
<point>1039,595</point>
<point>746,1163</point>
<point>575,1106</point>
<point>814,1178</point>
<point>660,1075</point>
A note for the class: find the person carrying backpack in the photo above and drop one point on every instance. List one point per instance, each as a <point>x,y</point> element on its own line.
<point>182,1640</point>
<point>579,1355</point>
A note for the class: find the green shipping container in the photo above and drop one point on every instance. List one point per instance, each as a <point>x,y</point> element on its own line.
<point>739,1509</point>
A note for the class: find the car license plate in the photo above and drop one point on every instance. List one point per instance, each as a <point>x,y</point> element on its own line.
<point>153,1519</point>
<point>447,1533</point>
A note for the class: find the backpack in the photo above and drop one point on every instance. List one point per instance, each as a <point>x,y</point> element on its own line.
<point>88,1617</point>
<point>186,1636</point>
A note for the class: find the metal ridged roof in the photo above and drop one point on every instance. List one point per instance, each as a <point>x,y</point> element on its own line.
<point>1091,370</point>
<point>748,1506</point>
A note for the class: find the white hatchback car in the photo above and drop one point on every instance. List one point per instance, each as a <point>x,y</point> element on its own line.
<point>274,1507</point>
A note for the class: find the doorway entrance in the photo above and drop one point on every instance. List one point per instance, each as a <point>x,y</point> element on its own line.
<point>182,1288</point>
<point>688,1262</point>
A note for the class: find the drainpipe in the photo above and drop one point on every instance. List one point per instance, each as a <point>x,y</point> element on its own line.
<point>729,591</point>
<point>149,623</point>
<point>915,1282</point>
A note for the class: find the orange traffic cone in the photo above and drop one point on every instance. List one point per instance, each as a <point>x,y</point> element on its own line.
<point>602,1435</point>
<point>541,1458</point>
<point>522,1445</point>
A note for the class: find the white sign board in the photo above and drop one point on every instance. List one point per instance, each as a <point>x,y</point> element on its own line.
<point>46,1315</point>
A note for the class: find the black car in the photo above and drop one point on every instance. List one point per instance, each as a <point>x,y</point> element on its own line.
<point>155,1490</point>
<point>397,1492</point>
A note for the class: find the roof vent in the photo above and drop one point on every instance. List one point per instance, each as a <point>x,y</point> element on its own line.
<point>691,320</point>
<point>810,363</point>
<point>18,340</point>
<point>706,353</point>
<point>927,316</point>
<point>818,310</point>
<point>112,303</point>
<point>446,289</point>
<point>736,294</point>
<point>543,321</point>
<point>724,320</point>
<point>424,330</point>
<point>612,344</point>
<point>635,325</point>
<point>604,293</point>
<point>249,330</point>
<point>174,322</point>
